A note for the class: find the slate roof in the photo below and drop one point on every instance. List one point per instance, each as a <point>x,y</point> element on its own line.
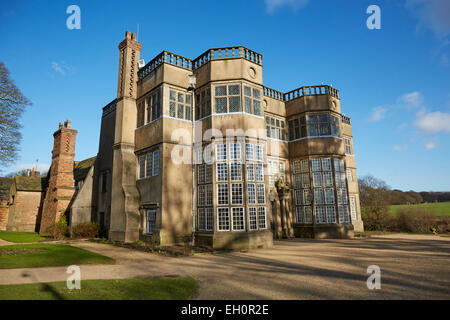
<point>82,168</point>
<point>30,183</point>
<point>5,185</point>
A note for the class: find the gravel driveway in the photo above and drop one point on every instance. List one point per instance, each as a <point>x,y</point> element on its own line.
<point>412,267</point>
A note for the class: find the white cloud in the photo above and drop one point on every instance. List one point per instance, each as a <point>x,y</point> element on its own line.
<point>430,145</point>
<point>399,148</point>
<point>432,122</point>
<point>412,99</point>
<point>378,113</point>
<point>273,5</point>
<point>62,68</point>
<point>432,14</point>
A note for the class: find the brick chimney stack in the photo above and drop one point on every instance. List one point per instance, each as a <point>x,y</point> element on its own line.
<point>61,185</point>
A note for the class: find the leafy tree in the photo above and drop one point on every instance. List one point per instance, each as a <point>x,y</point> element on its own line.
<point>12,106</point>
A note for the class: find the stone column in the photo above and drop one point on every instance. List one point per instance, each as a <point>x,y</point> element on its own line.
<point>125,217</point>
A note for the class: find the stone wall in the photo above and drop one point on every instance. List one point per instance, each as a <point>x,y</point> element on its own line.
<point>4,209</point>
<point>24,212</point>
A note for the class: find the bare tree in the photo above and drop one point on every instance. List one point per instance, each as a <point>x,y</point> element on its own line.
<point>12,106</point>
<point>374,196</point>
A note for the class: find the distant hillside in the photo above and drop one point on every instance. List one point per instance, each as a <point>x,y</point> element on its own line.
<point>395,197</point>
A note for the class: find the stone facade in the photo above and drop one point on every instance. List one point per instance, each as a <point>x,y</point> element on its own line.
<point>4,209</point>
<point>286,170</point>
<point>5,186</point>
<point>25,199</point>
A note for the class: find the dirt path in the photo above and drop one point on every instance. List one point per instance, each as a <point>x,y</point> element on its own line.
<point>5,243</point>
<point>411,267</point>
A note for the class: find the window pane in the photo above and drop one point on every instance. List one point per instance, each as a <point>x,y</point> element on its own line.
<point>249,151</point>
<point>247,91</point>
<point>250,172</point>
<point>221,90</point>
<point>201,195</point>
<point>180,112</point>
<point>221,105</point>
<point>262,217</point>
<point>155,163</point>
<point>188,113</point>
<point>236,193</point>
<point>221,152</point>
<point>173,95</point>
<point>234,104</point>
<point>141,167</point>
<point>181,97</point>
<point>222,194</point>
<point>259,172</point>
<point>256,94</point>
<point>248,105</point>
<point>172,109</point>
<point>201,219</point>
<point>252,219</point>
<point>233,90</point>
<point>251,193</point>
<point>201,174</point>
<point>209,219</point>
<point>223,216</point>
<point>149,169</point>
<point>235,171</point>
<point>238,219</point>
<point>313,130</point>
<point>235,151</point>
<point>331,214</point>
<point>261,195</point>
<point>256,107</point>
<point>222,171</point>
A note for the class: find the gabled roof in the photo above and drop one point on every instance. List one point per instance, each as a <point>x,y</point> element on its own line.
<point>5,185</point>
<point>82,168</point>
<point>30,183</point>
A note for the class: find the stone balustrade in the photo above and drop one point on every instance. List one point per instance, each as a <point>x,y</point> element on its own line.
<point>311,91</point>
<point>300,92</point>
<point>227,53</point>
<point>165,57</point>
<point>345,119</point>
<point>272,93</point>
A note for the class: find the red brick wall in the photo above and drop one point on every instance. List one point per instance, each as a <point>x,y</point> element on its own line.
<point>24,211</point>
<point>61,185</point>
<point>4,209</point>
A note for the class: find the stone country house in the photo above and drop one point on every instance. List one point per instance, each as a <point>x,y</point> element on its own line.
<point>240,190</point>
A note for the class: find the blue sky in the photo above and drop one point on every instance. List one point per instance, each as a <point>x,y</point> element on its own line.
<point>394,82</point>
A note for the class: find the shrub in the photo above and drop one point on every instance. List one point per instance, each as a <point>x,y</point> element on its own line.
<point>415,220</point>
<point>443,225</point>
<point>85,230</point>
<point>376,219</point>
<point>58,230</point>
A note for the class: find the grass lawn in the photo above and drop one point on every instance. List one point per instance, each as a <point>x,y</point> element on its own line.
<point>439,208</point>
<point>44,255</point>
<point>20,237</point>
<point>123,289</point>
